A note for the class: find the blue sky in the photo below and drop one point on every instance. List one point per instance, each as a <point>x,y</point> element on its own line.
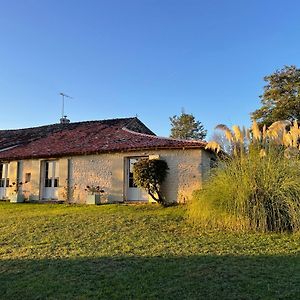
<point>141,57</point>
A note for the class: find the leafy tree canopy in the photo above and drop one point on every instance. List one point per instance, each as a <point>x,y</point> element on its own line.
<point>281,97</point>
<point>186,127</point>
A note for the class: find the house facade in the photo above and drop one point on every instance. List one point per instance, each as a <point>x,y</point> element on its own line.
<point>58,162</point>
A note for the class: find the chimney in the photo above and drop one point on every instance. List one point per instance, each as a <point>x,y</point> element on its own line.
<point>64,120</point>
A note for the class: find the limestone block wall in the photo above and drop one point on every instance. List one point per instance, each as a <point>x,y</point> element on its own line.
<point>185,174</point>
<point>31,189</point>
<point>187,170</point>
<point>91,170</point>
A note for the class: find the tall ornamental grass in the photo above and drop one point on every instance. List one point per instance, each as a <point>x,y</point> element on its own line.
<point>256,186</point>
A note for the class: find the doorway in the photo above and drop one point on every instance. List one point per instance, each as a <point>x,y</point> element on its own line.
<point>133,193</point>
<point>50,179</point>
<point>4,180</point>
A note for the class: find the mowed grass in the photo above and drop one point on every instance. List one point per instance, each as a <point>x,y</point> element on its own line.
<point>137,252</point>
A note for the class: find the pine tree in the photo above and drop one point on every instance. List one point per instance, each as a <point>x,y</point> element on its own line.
<point>186,127</point>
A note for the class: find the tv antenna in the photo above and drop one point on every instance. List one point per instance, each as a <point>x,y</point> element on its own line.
<point>63,95</point>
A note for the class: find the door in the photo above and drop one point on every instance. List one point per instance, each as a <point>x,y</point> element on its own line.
<point>51,179</point>
<point>133,192</point>
<point>4,180</point>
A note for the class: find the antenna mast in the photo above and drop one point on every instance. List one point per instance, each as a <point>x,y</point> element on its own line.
<point>63,116</point>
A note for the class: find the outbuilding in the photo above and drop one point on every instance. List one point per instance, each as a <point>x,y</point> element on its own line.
<point>57,162</point>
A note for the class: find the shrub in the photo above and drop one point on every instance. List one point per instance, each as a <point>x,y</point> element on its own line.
<point>256,187</point>
<point>150,174</point>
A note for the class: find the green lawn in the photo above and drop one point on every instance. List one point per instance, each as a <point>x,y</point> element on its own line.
<point>136,252</point>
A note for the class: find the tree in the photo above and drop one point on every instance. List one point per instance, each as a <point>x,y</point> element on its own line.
<point>186,127</point>
<point>281,97</point>
<point>150,174</point>
<point>219,137</point>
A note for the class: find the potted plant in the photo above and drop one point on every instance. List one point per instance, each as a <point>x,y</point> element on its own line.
<point>94,194</point>
<point>17,195</point>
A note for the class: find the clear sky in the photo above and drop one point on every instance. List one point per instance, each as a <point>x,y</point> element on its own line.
<point>141,57</point>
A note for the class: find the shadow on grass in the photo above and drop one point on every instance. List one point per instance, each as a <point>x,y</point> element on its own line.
<point>195,277</point>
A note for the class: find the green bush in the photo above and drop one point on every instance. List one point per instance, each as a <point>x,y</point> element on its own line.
<point>257,188</point>
<point>149,174</point>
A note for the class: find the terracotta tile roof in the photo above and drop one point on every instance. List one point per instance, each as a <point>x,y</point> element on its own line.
<point>116,135</point>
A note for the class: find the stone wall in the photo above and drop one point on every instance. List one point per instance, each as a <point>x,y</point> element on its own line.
<point>187,170</point>
<point>91,170</point>
<point>31,189</point>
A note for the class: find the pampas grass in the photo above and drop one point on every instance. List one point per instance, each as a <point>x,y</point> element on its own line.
<point>257,187</point>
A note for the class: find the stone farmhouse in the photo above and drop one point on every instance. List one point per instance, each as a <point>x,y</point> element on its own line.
<point>57,162</point>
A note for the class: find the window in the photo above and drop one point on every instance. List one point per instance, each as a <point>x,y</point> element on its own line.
<point>27,177</point>
<point>56,182</point>
<point>131,182</point>
<point>4,180</point>
<point>131,162</point>
<point>51,174</point>
<point>47,179</point>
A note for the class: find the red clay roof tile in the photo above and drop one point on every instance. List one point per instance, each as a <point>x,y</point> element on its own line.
<point>116,135</point>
